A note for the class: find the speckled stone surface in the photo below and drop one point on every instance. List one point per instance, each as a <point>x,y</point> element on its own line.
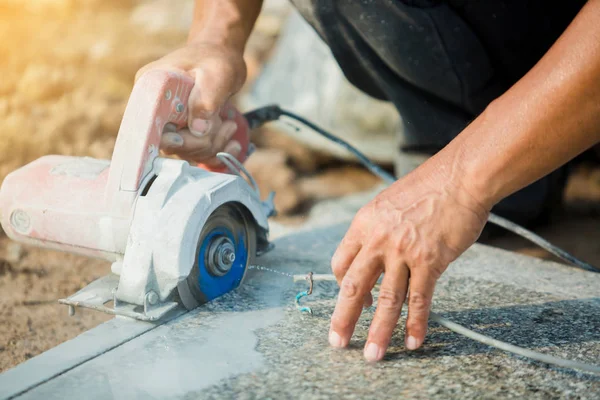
<point>253,343</point>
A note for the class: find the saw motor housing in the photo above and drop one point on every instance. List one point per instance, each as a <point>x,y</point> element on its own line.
<point>142,212</point>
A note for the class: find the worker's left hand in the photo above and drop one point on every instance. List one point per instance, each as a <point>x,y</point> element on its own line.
<point>410,232</point>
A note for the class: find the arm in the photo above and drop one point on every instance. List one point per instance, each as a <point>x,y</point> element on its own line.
<point>224,22</point>
<point>551,115</point>
<point>213,57</point>
<point>424,221</point>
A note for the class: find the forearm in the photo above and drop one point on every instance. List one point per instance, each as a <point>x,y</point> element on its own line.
<point>224,22</point>
<point>551,115</point>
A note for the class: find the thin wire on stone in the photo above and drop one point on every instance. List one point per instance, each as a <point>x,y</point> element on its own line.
<point>261,268</point>
<point>304,293</point>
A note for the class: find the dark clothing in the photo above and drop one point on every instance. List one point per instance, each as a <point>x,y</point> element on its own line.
<point>442,62</point>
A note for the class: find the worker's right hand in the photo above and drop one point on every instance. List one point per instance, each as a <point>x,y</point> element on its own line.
<point>218,73</point>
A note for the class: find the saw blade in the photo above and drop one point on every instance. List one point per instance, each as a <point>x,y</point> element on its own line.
<point>225,248</point>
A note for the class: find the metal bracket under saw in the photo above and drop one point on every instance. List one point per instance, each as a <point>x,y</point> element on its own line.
<point>97,294</point>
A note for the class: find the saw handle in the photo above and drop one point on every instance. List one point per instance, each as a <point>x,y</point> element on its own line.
<point>158,98</point>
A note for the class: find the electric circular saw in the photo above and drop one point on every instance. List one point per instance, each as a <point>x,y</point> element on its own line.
<point>175,233</point>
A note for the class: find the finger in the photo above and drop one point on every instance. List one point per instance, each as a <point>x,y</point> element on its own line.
<point>392,293</point>
<point>186,145</point>
<point>422,285</point>
<point>170,142</point>
<point>357,282</point>
<point>205,127</point>
<point>343,257</point>
<point>233,147</point>
<point>207,97</point>
<point>368,300</point>
<point>223,136</point>
<point>345,254</point>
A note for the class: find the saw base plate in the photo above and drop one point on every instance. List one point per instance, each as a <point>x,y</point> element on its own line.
<point>102,291</point>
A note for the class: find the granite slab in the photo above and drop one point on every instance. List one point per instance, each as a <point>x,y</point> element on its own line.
<point>254,343</point>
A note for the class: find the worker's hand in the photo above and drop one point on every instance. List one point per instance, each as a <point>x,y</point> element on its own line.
<point>218,72</point>
<point>410,232</point>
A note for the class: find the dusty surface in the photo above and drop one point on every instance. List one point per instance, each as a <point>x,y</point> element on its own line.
<point>273,351</point>
<point>67,70</point>
<point>31,279</point>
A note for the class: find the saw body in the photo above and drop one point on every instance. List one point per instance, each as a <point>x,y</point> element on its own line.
<point>146,214</point>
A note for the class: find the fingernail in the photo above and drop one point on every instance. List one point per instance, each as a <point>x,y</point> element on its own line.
<point>368,301</point>
<point>373,352</point>
<point>199,126</point>
<point>173,139</point>
<point>170,127</point>
<point>234,147</point>
<point>412,343</point>
<point>335,340</point>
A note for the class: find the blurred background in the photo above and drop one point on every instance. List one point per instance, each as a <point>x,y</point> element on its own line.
<point>66,72</point>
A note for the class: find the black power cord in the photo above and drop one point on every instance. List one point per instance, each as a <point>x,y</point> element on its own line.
<point>272,113</point>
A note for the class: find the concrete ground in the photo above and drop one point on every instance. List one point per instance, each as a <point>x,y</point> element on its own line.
<point>254,343</point>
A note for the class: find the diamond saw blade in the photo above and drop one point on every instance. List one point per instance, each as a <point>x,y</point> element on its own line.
<point>226,246</point>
